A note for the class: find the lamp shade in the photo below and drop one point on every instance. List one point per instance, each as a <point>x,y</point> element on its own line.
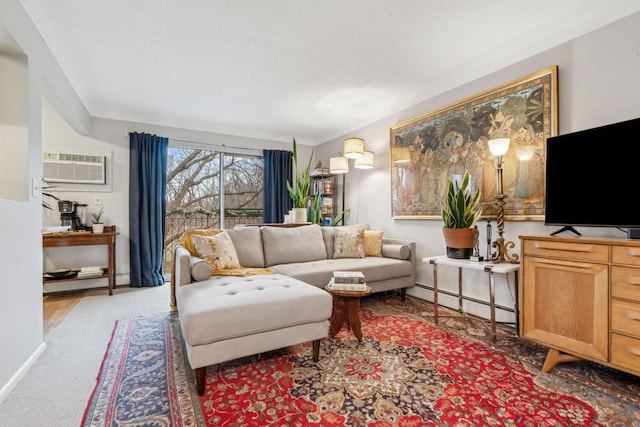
<point>499,146</point>
<point>339,164</point>
<point>353,148</point>
<point>366,161</point>
<point>401,155</point>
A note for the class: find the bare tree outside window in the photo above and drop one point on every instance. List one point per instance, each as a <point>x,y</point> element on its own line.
<point>193,192</point>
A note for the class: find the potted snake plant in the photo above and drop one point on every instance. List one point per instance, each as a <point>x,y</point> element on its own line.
<point>460,210</point>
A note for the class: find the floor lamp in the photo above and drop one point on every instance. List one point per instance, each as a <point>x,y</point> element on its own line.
<point>498,148</point>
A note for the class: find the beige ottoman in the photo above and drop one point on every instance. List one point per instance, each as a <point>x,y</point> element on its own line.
<point>225,318</point>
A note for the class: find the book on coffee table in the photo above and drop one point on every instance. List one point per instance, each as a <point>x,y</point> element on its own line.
<point>355,287</point>
<point>348,277</point>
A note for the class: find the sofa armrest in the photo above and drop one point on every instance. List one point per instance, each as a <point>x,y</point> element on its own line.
<point>181,274</point>
<point>410,244</point>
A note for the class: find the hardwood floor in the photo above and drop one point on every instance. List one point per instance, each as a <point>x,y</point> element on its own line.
<point>57,306</point>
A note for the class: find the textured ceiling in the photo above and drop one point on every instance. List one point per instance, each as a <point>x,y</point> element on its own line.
<point>311,69</point>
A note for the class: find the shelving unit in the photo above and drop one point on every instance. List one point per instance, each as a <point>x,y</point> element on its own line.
<point>86,238</point>
<point>325,186</point>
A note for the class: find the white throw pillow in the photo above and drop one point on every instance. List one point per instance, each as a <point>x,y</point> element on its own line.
<point>217,250</point>
<point>348,243</point>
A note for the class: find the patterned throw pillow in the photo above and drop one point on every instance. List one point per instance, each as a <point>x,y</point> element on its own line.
<point>217,250</point>
<point>348,243</point>
<point>187,241</point>
<point>372,243</point>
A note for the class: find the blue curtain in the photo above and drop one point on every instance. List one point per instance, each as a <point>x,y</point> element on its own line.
<point>147,206</point>
<point>277,171</point>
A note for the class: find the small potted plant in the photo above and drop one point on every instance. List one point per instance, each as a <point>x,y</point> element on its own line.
<point>460,210</point>
<point>98,225</point>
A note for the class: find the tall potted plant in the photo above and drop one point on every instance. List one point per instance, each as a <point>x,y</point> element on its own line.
<point>460,210</point>
<point>300,193</point>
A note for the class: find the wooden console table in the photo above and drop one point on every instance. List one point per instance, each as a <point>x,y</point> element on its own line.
<point>55,240</point>
<point>487,267</point>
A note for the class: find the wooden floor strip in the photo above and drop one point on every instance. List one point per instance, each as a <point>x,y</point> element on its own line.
<point>57,306</point>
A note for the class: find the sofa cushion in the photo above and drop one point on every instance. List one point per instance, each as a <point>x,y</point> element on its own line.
<point>228,307</point>
<point>396,251</point>
<point>372,243</point>
<point>375,269</point>
<point>248,244</point>
<point>348,242</point>
<point>200,269</point>
<point>217,250</point>
<point>327,235</point>
<point>295,244</point>
<point>187,241</point>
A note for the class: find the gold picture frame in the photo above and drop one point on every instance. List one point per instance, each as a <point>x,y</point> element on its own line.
<point>427,150</point>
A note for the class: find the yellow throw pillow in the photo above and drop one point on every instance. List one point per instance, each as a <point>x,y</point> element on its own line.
<point>348,242</point>
<point>372,243</point>
<point>217,250</point>
<point>187,241</point>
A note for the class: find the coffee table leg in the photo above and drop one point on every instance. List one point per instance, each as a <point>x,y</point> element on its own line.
<point>337,316</point>
<point>354,317</point>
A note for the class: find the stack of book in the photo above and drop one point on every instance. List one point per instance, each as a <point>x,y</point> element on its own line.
<point>89,272</point>
<point>348,281</point>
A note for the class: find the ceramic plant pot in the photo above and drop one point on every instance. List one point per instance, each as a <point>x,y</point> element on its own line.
<point>459,242</point>
<point>300,215</point>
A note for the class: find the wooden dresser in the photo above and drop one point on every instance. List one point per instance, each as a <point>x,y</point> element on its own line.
<point>581,298</point>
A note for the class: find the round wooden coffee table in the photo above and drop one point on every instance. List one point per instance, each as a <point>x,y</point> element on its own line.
<point>346,308</point>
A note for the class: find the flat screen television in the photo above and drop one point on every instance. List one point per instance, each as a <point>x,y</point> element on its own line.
<point>592,178</point>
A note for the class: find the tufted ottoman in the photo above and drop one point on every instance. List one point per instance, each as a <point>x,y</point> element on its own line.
<point>231,317</point>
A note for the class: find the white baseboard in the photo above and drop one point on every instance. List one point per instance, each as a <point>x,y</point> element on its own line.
<point>15,379</point>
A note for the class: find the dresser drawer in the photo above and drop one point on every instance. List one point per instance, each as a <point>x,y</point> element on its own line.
<point>585,252</point>
<point>625,282</point>
<point>625,317</point>
<point>628,255</point>
<point>625,352</point>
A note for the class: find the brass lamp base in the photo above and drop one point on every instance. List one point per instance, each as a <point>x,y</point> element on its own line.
<point>502,252</point>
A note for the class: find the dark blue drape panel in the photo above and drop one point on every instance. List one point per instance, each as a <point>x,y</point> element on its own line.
<point>277,171</point>
<point>147,206</point>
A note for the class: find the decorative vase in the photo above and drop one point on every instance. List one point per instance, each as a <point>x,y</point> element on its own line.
<point>97,228</point>
<point>459,242</point>
<point>300,215</point>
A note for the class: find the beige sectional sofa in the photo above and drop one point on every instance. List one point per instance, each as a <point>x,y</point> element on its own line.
<point>225,314</point>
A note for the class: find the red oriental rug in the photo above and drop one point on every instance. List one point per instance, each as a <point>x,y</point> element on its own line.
<point>405,372</point>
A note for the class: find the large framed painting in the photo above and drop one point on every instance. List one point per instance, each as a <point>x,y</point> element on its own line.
<point>427,150</point>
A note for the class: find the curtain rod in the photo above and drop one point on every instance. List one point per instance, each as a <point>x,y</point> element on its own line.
<point>204,144</point>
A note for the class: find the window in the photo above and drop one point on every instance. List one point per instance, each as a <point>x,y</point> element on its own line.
<point>208,188</point>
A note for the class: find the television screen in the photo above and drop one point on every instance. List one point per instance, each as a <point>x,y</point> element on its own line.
<point>592,177</point>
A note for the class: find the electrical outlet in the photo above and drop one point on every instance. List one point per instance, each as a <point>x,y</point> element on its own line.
<point>97,200</point>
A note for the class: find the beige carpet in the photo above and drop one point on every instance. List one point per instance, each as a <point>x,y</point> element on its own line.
<point>55,391</point>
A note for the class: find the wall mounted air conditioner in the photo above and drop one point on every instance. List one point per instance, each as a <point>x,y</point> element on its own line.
<point>74,168</point>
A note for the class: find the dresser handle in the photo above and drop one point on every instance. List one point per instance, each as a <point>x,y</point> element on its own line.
<point>581,247</point>
<point>633,252</point>
<point>633,315</point>
<point>634,351</point>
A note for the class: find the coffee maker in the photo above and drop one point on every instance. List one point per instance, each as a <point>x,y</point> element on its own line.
<point>73,214</point>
